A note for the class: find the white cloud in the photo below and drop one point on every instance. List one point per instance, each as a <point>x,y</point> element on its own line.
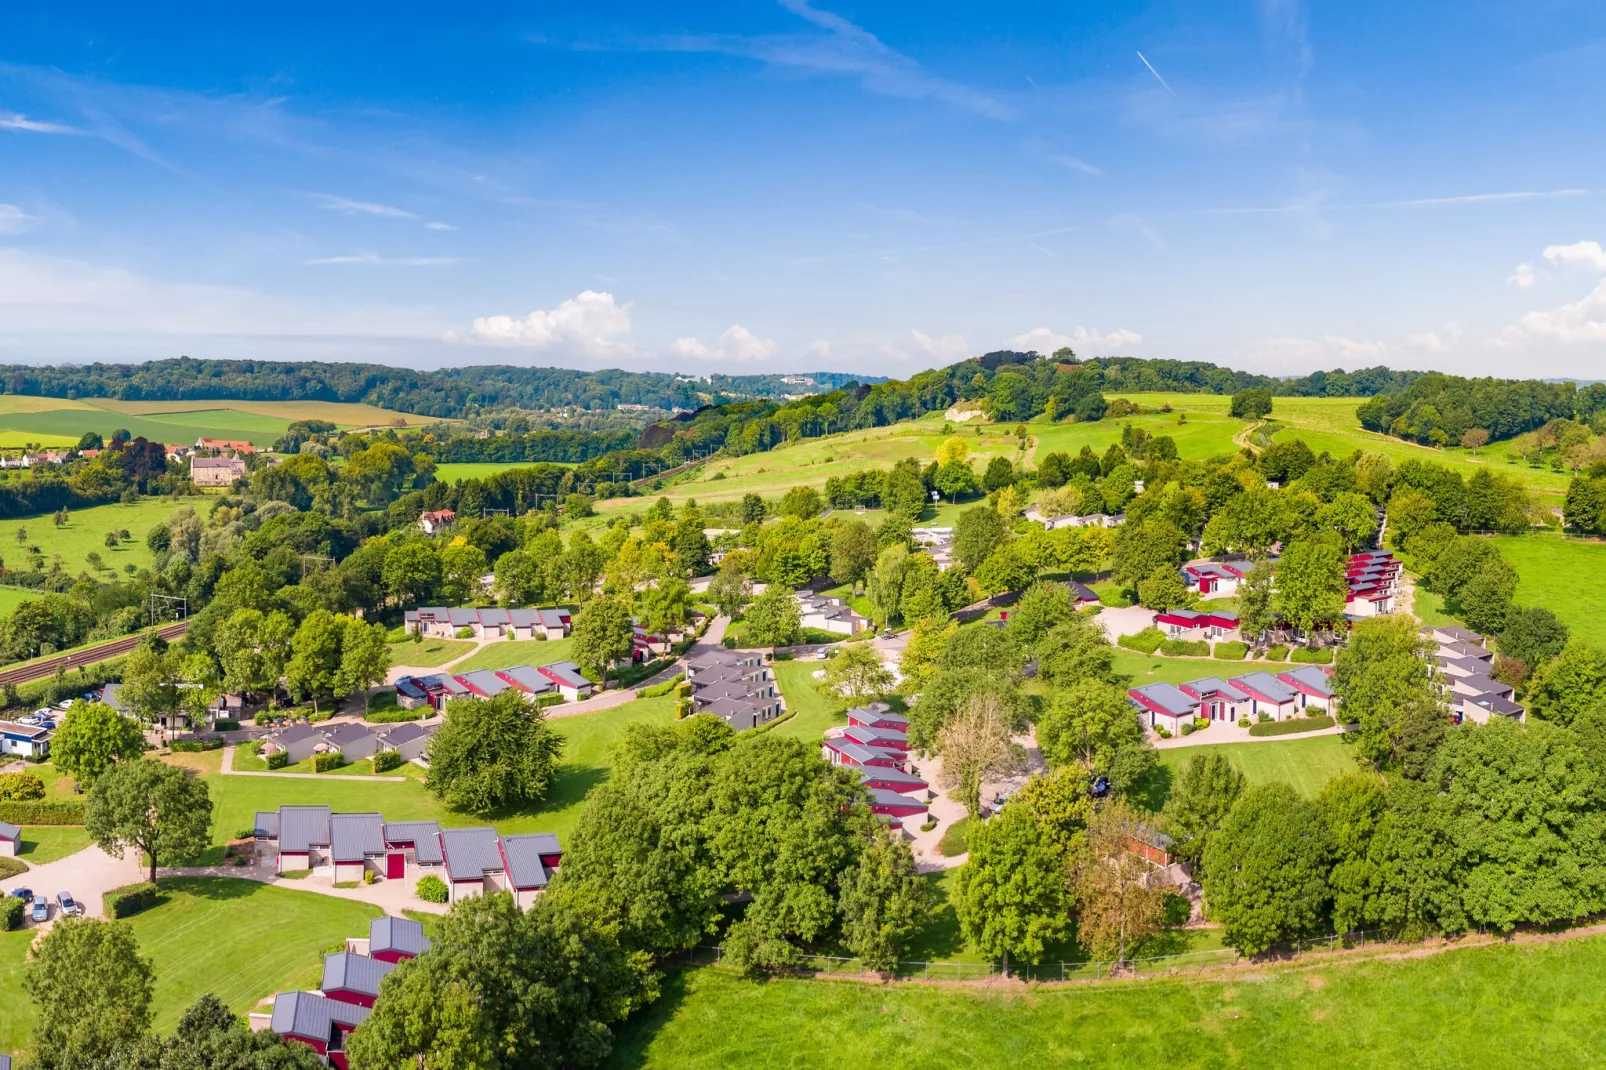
<point>948,348</point>
<point>1044,340</point>
<point>1584,254</point>
<point>1440,341</point>
<point>347,206</point>
<point>1523,278</point>
<point>1072,163</point>
<point>438,226</point>
<point>394,261</point>
<point>1582,321</point>
<point>14,121</point>
<point>590,322</point>
<point>14,220</point>
<point>737,343</point>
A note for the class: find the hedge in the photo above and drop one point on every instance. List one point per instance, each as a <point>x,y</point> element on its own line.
<point>1276,653</point>
<point>193,745</point>
<point>1176,648</point>
<point>130,899</point>
<point>226,724</point>
<point>431,889</point>
<point>1147,641</point>
<point>770,725</point>
<point>43,812</point>
<point>1312,655</point>
<point>11,909</point>
<point>1232,651</point>
<point>1291,727</point>
<point>322,763</point>
<point>396,715</point>
<point>277,760</point>
<point>664,688</point>
<point>21,787</point>
<point>386,760</point>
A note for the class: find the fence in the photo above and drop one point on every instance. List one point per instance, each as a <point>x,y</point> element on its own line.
<point>1088,970</point>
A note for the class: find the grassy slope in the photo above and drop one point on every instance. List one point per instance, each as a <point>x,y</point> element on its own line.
<point>428,654</point>
<point>586,757</point>
<point>1465,1008</point>
<point>86,529</point>
<point>1207,431</point>
<point>57,421</point>
<point>453,471</point>
<point>1565,575</point>
<point>511,652</point>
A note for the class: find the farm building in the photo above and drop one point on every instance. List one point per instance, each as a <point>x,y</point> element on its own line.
<point>216,471</point>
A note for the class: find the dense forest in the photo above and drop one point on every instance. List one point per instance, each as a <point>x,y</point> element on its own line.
<point>1437,409</point>
<point>452,392</point>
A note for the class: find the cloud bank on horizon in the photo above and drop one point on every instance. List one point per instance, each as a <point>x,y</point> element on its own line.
<point>808,184</point>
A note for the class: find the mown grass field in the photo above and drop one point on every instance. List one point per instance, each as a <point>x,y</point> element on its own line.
<point>1203,430</point>
<point>510,652</point>
<point>587,756</point>
<point>1143,668</point>
<point>60,421</point>
<point>1470,1007</point>
<point>455,470</point>
<point>1565,575</point>
<point>85,533</point>
<point>429,654</point>
<point>1303,764</point>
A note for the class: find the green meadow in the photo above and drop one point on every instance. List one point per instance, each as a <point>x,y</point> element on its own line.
<point>456,470</point>
<point>60,421</point>
<point>1566,575</point>
<point>85,533</point>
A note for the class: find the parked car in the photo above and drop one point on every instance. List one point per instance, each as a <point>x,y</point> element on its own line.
<point>21,893</point>
<point>69,906</point>
<point>41,908</point>
<point>66,704</point>
<point>45,722</point>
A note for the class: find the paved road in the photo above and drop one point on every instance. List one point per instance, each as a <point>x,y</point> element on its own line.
<point>86,876</point>
<point>39,670</point>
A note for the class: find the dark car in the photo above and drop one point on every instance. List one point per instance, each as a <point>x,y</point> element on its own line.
<point>41,908</point>
<point>22,893</point>
<point>1101,787</point>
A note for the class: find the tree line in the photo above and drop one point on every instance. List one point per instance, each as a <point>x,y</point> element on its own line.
<point>1439,409</point>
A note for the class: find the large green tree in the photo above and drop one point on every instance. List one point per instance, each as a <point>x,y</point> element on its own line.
<point>1310,584</point>
<point>1572,685</point>
<point>314,666</point>
<point>492,753</point>
<point>1266,869</point>
<point>162,811</point>
<point>774,618</point>
<point>1201,798</point>
<point>601,634</point>
<point>1352,805</point>
<point>92,737</point>
<point>1093,727</point>
<point>91,991</point>
<point>1383,679</point>
<point>884,901</point>
<point>1013,896</point>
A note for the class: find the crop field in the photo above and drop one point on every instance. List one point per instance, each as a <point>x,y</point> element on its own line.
<point>85,533</point>
<point>1565,575</point>
<point>1468,1007</point>
<point>60,422</point>
<point>452,472</point>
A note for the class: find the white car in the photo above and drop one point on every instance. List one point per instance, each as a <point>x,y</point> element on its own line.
<point>66,704</point>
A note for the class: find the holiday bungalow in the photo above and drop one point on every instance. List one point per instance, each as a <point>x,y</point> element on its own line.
<point>1216,699</point>
<point>353,978</point>
<point>357,843</point>
<point>483,683</point>
<point>479,862</point>
<point>1312,684</point>
<point>887,739</point>
<point>892,804</point>
<point>878,715</point>
<point>317,1021</point>
<point>392,939</point>
<point>1082,595</point>
<point>1216,577</point>
<point>1453,633</point>
<point>1196,624</point>
<point>890,778</point>
<point>529,680</point>
<point>840,751</point>
<point>529,861</point>
<point>414,843</point>
<point>23,740</point>
<point>1268,695</point>
<point>1163,706</point>
<point>307,837</point>
<point>10,840</point>
<point>570,683</point>
<point>830,615</point>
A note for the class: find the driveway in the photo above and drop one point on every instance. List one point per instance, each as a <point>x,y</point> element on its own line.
<point>1125,620</point>
<point>86,875</point>
<point>947,811</point>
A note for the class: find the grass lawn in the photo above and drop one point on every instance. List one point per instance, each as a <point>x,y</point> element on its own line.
<point>1206,433</point>
<point>58,421</point>
<point>452,471</point>
<point>85,532</point>
<point>430,654</point>
<point>586,758</point>
<point>46,843</point>
<point>1303,764</point>
<point>510,652</point>
<point>815,710</point>
<point>194,939</point>
<point>1565,575</point>
<point>1472,1007</point>
<point>1143,668</point>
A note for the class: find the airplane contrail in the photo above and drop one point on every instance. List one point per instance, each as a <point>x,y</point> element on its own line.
<point>1157,77</point>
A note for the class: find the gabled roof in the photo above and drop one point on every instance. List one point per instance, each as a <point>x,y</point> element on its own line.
<point>1309,678</point>
<point>858,753</point>
<point>302,828</point>
<point>470,853</point>
<point>1080,592</point>
<point>1265,686</point>
<point>9,831</point>
<point>1168,698</point>
<point>566,673</point>
<point>870,736</point>
<point>344,735</point>
<point>295,733</point>
<point>1499,704</point>
<point>267,824</point>
<point>883,797</point>
<point>889,775</point>
<point>553,618</point>
<point>311,1016</point>
<point>1455,632</point>
<point>347,972</point>
<point>405,732</point>
<point>527,679</point>
<point>1207,686</point>
<point>493,616</point>
<point>352,837</point>
<point>402,935</point>
<point>483,682</point>
<point>1484,685</point>
<point>423,835</point>
<point>523,857</point>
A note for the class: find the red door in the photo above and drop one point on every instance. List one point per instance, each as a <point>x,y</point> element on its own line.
<point>396,866</point>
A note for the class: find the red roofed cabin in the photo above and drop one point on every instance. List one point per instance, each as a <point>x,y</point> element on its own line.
<point>877,715</point>
<point>321,1023</point>
<point>436,520</point>
<point>1195,624</point>
<point>841,751</point>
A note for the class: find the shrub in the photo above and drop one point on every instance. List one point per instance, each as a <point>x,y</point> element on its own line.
<point>1277,653</point>
<point>277,760</point>
<point>1308,655</point>
<point>1176,648</point>
<point>262,718</point>
<point>395,716</point>
<point>1263,718</point>
<point>1243,722</point>
<point>956,841</point>
<point>664,688</point>
<point>194,745</point>
<point>227,724</point>
<point>1201,723</point>
<point>1146,642</point>
<point>1292,726</point>
<point>43,812</point>
<point>1164,733</point>
<point>130,899</point>
<point>322,763</point>
<point>465,633</point>
<point>11,910</point>
<point>368,876</point>
<point>10,867</point>
<point>1186,728</point>
<point>386,760</point>
<point>431,889</point>
<point>20,787</point>
<point>1232,651</point>
<point>1315,711</point>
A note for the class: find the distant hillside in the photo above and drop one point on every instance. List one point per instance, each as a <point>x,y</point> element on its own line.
<point>452,392</point>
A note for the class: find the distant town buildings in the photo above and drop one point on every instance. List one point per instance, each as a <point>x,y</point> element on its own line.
<point>216,471</point>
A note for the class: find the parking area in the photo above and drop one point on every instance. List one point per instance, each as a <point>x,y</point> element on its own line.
<point>87,876</point>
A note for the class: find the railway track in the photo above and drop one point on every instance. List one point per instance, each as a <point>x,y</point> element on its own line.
<point>39,670</point>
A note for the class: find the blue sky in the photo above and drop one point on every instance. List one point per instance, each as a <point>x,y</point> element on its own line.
<point>789,186</point>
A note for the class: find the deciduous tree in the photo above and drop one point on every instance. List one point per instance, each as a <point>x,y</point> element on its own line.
<point>857,672</point>
<point>160,810</point>
<point>1117,906</point>
<point>492,753</point>
<point>1384,680</point>
<point>774,618</point>
<point>884,901</point>
<point>1202,797</point>
<point>1014,897</point>
<point>601,633</point>
<point>91,991</point>
<point>92,738</point>
<point>1266,869</point>
<point>975,745</point>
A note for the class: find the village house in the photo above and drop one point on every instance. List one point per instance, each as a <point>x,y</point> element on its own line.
<point>25,741</point>
<point>734,686</point>
<point>1219,576</point>
<point>828,614</point>
<point>317,1021</point>
<point>1193,624</point>
<point>479,862</point>
<point>233,445</point>
<point>1216,699</point>
<point>436,520</point>
<point>216,471</point>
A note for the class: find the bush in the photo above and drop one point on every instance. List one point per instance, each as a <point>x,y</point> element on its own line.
<point>956,841</point>
<point>10,867</point>
<point>11,910</point>
<point>1308,655</point>
<point>1176,648</point>
<point>1243,722</point>
<point>20,787</point>
<point>1201,723</point>
<point>226,724</point>
<point>465,633</point>
<point>1315,711</point>
<point>1163,733</point>
<point>368,876</point>
<point>431,889</point>
<point>1232,651</point>
<point>1186,728</point>
<point>396,715</point>
<point>277,760</point>
<point>386,760</point>
<point>262,718</point>
<point>1292,726</point>
<point>191,746</point>
<point>322,763</point>
<point>130,899</point>
<point>1276,653</point>
<point>657,690</point>
<point>43,812</point>
<point>1146,642</point>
